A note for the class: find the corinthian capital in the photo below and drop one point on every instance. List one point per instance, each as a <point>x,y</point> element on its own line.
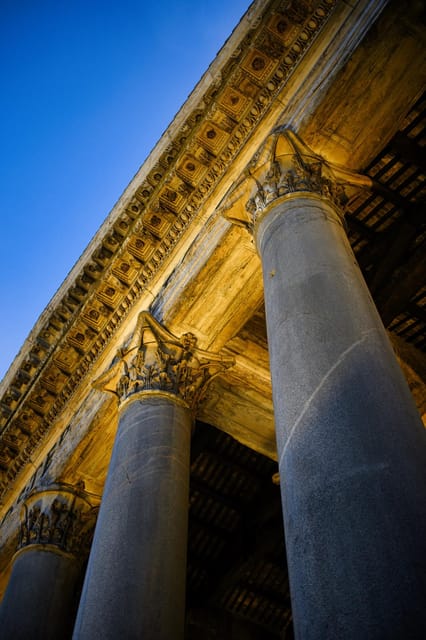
<point>157,360</point>
<point>285,165</point>
<point>59,515</point>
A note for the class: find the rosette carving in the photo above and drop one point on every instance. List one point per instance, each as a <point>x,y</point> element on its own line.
<point>157,360</point>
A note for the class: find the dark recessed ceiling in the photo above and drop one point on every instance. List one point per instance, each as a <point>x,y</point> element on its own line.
<point>387,229</point>
<point>237,584</point>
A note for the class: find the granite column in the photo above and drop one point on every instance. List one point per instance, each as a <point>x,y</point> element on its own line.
<point>351,445</point>
<point>42,594</point>
<point>135,580</point>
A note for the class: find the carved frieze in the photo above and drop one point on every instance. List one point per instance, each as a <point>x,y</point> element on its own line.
<point>156,360</point>
<point>59,515</point>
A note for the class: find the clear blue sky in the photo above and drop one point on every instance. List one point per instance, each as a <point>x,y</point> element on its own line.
<point>88,86</point>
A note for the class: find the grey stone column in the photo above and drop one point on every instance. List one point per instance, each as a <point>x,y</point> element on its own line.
<point>135,580</point>
<point>352,447</point>
<point>42,594</point>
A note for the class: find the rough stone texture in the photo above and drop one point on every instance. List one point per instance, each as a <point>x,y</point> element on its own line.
<point>135,581</point>
<point>351,445</point>
<point>41,598</point>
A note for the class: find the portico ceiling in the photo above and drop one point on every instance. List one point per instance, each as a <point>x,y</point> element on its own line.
<point>353,93</point>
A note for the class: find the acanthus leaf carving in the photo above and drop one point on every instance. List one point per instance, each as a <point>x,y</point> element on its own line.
<point>157,360</point>
<point>59,515</point>
<point>283,165</point>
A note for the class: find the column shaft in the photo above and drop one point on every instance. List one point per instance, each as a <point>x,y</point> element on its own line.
<point>351,445</point>
<point>41,597</point>
<point>135,580</point>
<point>42,594</point>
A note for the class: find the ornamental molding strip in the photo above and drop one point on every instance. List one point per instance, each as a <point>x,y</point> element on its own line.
<point>285,165</point>
<point>60,516</point>
<point>156,360</point>
<point>237,93</point>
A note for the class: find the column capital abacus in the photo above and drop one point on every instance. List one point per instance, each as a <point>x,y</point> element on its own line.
<point>283,167</point>
<point>59,515</point>
<point>158,361</point>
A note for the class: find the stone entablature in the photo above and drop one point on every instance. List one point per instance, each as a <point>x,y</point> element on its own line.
<point>132,246</point>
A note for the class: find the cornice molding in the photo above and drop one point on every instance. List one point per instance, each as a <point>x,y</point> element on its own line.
<point>151,219</point>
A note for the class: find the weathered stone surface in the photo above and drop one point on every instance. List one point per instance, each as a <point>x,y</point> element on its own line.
<point>364,104</point>
<point>157,360</point>
<point>164,246</point>
<point>135,580</point>
<point>352,448</point>
<point>42,594</point>
<point>130,263</point>
<point>59,516</point>
<point>149,231</point>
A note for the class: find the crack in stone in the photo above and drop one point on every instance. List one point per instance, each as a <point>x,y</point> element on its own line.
<point>341,358</point>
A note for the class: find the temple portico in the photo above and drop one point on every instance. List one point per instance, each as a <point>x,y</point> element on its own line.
<point>234,370</point>
<point>351,445</point>
<point>141,535</point>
